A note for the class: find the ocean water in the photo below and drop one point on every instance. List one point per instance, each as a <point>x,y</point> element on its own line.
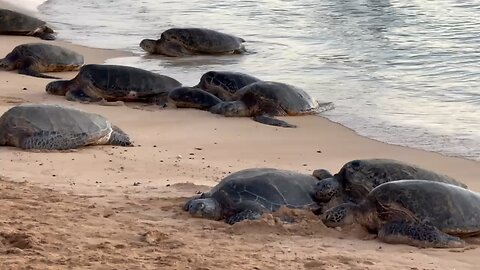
<point>405,72</point>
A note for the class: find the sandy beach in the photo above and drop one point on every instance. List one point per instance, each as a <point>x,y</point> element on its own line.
<point>107,207</point>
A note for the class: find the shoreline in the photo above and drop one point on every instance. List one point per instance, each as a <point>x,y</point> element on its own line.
<point>101,202</point>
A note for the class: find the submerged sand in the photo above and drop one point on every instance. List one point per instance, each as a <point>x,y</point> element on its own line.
<point>107,207</point>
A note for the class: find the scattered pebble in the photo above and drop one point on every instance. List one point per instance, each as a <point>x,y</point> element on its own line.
<point>198,148</point>
<point>135,184</point>
<point>24,88</point>
<point>179,157</point>
<point>319,151</point>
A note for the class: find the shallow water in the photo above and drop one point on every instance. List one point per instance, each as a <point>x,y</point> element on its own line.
<point>403,72</point>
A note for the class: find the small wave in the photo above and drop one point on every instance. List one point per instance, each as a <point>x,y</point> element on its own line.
<point>30,5</point>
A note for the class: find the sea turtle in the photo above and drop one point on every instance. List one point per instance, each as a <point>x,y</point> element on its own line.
<point>415,212</point>
<point>193,41</point>
<point>54,127</point>
<point>224,84</point>
<point>15,23</point>
<point>114,83</point>
<point>192,97</point>
<point>249,193</point>
<point>33,58</point>
<point>357,177</point>
<point>265,99</point>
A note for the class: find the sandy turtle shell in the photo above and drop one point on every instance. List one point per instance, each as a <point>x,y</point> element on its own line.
<point>224,84</point>
<point>54,127</point>
<point>249,193</point>
<point>416,212</point>
<point>16,23</point>
<point>114,83</point>
<point>358,177</point>
<point>193,41</point>
<point>33,58</point>
<point>265,99</point>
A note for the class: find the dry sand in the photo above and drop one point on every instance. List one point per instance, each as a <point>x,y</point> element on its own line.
<point>109,207</point>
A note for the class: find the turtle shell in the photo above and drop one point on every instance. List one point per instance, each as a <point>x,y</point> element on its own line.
<point>452,209</point>
<point>272,188</point>
<point>359,177</point>
<point>12,22</point>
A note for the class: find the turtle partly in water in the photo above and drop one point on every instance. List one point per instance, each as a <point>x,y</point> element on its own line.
<point>54,127</point>
<point>114,83</point>
<point>193,41</point>
<point>249,193</point>
<point>265,99</point>
<point>33,58</point>
<point>358,177</point>
<point>19,24</point>
<point>192,97</point>
<point>414,212</point>
<point>224,84</point>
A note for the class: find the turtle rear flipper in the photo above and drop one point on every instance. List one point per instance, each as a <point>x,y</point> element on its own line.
<point>55,140</point>
<point>118,137</point>
<point>268,120</point>
<point>246,210</point>
<point>416,234</point>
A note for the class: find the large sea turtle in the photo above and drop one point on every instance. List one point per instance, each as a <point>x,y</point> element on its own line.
<point>192,97</point>
<point>193,41</point>
<point>357,177</point>
<point>263,100</point>
<point>53,127</point>
<point>249,193</point>
<point>415,212</point>
<point>33,58</point>
<point>114,83</point>
<point>19,24</point>
<point>224,84</point>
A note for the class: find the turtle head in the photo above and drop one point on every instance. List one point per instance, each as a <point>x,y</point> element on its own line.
<point>207,80</point>
<point>204,208</point>
<point>364,173</point>
<point>59,88</point>
<point>149,45</point>
<point>341,215</point>
<point>328,189</point>
<point>230,108</point>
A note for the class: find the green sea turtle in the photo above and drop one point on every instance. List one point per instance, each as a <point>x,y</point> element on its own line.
<point>224,84</point>
<point>15,23</point>
<point>193,41</point>
<point>192,97</point>
<point>53,127</point>
<point>249,193</point>
<point>263,100</point>
<point>357,177</point>
<point>415,212</point>
<point>33,58</point>
<point>114,83</point>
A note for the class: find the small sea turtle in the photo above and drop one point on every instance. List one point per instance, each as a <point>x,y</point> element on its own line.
<point>224,84</point>
<point>53,127</point>
<point>33,58</point>
<point>15,23</point>
<point>415,212</point>
<point>357,177</point>
<point>114,83</point>
<point>193,41</point>
<point>263,100</point>
<point>191,97</point>
<point>249,193</point>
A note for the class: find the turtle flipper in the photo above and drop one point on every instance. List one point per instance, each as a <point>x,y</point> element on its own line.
<point>251,214</point>
<point>417,234</point>
<point>268,120</point>
<point>54,141</point>
<point>30,72</point>
<point>118,137</point>
<point>80,96</point>
<point>45,33</point>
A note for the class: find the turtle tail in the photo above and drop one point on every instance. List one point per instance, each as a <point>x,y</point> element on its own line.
<point>118,137</point>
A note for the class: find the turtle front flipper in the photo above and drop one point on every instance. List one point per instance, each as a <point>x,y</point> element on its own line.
<point>27,67</point>
<point>417,234</point>
<point>118,137</point>
<point>268,120</point>
<point>246,210</point>
<point>80,96</point>
<point>54,141</point>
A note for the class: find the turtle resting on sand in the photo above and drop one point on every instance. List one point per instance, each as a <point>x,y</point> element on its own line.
<point>415,212</point>
<point>191,97</point>
<point>114,83</point>
<point>263,100</point>
<point>247,194</point>
<point>358,177</point>
<point>193,41</point>
<point>33,58</point>
<point>224,84</point>
<point>53,127</point>
<point>15,23</point>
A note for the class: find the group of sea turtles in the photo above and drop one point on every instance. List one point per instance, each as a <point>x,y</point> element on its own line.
<point>400,202</point>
